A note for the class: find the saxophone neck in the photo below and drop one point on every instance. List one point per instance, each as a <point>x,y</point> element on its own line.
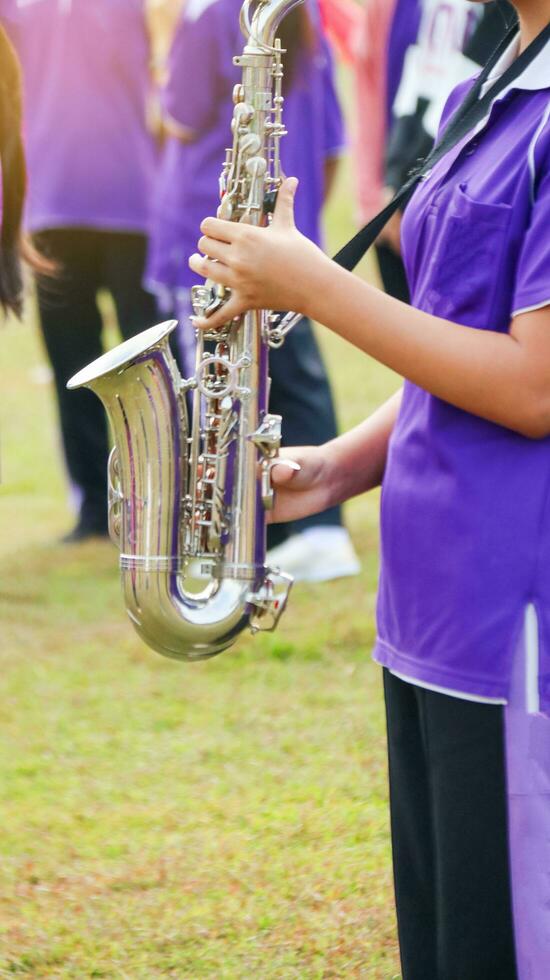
<point>260,20</point>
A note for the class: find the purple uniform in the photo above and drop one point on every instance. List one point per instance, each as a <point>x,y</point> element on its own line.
<point>86,79</point>
<point>465,519</point>
<point>464,598</point>
<point>198,97</point>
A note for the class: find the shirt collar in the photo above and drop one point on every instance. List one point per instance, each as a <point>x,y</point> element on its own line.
<point>535,77</point>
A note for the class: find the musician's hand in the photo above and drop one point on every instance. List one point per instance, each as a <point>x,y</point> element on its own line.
<point>266,268</point>
<point>305,491</point>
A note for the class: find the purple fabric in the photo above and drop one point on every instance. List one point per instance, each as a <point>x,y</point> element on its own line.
<point>403,33</point>
<point>86,78</point>
<point>465,510</point>
<point>198,96</point>
<point>528,752</point>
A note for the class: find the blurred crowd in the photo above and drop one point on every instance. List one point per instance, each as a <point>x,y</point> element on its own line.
<point>127,110</point>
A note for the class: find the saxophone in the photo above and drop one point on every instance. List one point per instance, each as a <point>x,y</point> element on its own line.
<point>187,501</point>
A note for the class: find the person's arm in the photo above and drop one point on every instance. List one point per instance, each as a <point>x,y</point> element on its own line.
<point>351,464</point>
<point>504,378</point>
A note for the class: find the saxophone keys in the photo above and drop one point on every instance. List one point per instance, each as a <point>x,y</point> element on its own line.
<point>266,490</point>
<point>242,115</point>
<point>225,209</point>
<point>270,200</point>
<point>269,601</point>
<point>256,167</point>
<point>238,93</point>
<point>267,437</point>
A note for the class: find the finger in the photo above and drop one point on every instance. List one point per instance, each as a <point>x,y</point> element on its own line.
<point>283,216</point>
<point>222,231</point>
<point>283,471</point>
<point>214,249</point>
<point>234,307</point>
<point>216,271</point>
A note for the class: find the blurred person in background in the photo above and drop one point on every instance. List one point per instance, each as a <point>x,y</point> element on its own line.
<point>14,248</point>
<point>162,15</point>
<point>342,20</point>
<point>198,109</point>
<point>388,30</point>
<point>454,38</point>
<point>12,167</point>
<point>91,164</point>
<point>412,53</point>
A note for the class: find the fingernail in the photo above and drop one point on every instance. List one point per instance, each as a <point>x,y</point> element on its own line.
<point>290,464</point>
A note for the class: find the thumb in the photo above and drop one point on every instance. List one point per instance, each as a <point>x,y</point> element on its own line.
<point>283,215</point>
<point>228,311</point>
<point>283,471</point>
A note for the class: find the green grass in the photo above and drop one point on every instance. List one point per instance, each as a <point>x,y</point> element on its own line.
<point>223,820</point>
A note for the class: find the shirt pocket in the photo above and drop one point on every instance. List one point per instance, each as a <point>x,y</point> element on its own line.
<point>465,265</point>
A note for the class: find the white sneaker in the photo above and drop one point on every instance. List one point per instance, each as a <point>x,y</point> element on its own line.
<point>318,554</point>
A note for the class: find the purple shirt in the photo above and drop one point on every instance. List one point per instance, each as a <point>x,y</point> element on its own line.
<point>86,79</point>
<point>198,96</point>
<point>465,502</point>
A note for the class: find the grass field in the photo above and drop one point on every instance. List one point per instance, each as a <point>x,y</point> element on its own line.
<point>223,820</point>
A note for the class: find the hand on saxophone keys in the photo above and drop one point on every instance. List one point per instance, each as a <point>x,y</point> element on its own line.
<point>267,488</point>
<point>261,266</point>
<point>302,482</point>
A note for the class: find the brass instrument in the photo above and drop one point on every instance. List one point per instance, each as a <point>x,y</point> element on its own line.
<point>187,504</point>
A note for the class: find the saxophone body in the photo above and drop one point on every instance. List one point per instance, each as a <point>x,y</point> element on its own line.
<point>188,501</point>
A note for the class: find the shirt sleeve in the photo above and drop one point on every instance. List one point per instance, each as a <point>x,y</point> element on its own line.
<point>334,139</point>
<point>532,286</point>
<point>194,78</point>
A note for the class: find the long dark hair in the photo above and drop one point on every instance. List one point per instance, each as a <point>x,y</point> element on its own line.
<point>298,37</point>
<point>14,177</point>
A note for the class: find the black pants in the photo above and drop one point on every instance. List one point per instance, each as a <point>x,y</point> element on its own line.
<point>301,393</point>
<point>449,835</point>
<point>72,327</point>
<point>392,273</point>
